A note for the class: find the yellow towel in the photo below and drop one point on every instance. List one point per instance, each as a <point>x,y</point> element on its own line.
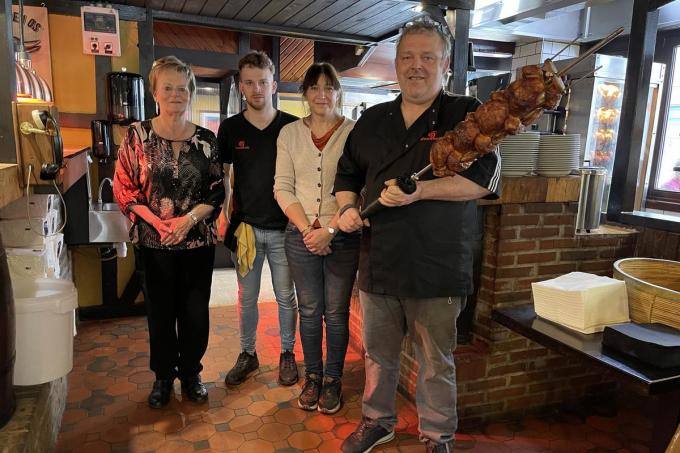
<point>245,246</point>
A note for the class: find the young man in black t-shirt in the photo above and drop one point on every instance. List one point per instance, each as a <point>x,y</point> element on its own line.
<point>247,142</point>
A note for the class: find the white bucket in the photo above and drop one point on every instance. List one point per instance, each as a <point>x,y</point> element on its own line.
<point>45,325</point>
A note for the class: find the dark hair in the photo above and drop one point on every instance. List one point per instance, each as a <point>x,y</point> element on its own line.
<point>257,59</point>
<point>315,71</point>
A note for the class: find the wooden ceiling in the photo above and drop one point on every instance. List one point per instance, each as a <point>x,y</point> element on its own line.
<point>196,38</point>
<point>351,21</point>
<point>296,57</point>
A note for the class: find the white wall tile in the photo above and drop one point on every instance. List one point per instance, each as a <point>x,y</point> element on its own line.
<point>575,50</point>
<point>533,59</point>
<point>539,47</point>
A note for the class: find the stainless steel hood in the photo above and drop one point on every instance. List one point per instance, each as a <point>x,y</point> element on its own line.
<point>558,20</point>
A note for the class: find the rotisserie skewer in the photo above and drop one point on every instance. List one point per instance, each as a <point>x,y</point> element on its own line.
<point>507,112</point>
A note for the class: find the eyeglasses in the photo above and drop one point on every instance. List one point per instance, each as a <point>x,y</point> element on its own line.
<point>328,89</point>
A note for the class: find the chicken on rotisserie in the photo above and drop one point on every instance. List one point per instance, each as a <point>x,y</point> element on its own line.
<point>506,113</point>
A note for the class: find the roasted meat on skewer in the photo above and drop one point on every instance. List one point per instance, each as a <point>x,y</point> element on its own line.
<point>506,113</point>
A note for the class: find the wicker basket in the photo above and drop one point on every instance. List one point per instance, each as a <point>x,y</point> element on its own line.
<point>653,289</point>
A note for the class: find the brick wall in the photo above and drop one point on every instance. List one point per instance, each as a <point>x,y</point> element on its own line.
<point>658,244</point>
<point>501,372</point>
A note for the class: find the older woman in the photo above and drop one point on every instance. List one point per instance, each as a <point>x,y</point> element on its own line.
<point>323,261</point>
<point>168,181</point>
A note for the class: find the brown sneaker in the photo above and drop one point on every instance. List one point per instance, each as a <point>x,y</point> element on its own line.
<point>330,399</point>
<point>309,398</point>
<point>288,372</point>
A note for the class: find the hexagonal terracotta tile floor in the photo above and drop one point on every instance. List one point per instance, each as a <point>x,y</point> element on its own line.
<point>106,407</point>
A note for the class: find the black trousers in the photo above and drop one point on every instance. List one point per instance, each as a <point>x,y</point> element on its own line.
<point>177,293</point>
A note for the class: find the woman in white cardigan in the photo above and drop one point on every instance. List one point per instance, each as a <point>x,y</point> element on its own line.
<point>323,261</point>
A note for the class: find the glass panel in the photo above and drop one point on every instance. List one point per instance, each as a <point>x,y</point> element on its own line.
<point>668,173</point>
<point>205,107</point>
<point>604,124</point>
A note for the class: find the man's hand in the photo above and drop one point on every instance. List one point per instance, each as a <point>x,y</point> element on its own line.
<point>392,195</point>
<point>350,221</point>
<point>317,241</point>
<point>222,227</point>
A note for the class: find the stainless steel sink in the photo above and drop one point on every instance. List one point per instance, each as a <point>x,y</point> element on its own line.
<point>107,223</point>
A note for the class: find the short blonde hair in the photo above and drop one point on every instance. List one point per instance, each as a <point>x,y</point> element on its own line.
<point>427,26</point>
<point>172,63</point>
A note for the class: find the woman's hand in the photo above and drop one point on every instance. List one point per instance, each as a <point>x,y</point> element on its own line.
<point>222,227</point>
<point>179,227</point>
<point>163,229</point>
<point>317,241</point>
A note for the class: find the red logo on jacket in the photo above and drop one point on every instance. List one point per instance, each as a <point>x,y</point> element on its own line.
<point>241,145</point>
<point>431,136</point>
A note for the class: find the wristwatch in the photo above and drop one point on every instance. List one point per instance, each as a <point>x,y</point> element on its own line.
<point>332,230</point>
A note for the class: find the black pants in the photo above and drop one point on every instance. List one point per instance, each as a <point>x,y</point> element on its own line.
<point>177,293</point>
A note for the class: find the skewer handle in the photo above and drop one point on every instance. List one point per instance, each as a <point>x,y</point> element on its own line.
<point>407,184</point>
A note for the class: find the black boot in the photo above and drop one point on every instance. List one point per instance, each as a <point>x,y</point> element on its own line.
<point>194,389</point>
<point>245,364</point>
<point>160,394</point>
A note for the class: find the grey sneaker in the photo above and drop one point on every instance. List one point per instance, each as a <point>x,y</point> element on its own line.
<point>367,435</point>
<point>309,398</point>
<point>434,447</point>
<point>330,399</point>
<point>245,364</point>
<point>288,372</point>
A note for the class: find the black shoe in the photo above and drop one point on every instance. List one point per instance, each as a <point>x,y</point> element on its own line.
<point>194,389</point>
<point>288,372</point>
<point>330,399</point>
<point>367,435</point>
<point>160,394</point>
<point>245,364</point>
<point>434,447</point>
<point>309,398</point>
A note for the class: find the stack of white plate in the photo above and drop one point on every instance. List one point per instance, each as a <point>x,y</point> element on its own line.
<point>519,153</point>
<point>558,155</point>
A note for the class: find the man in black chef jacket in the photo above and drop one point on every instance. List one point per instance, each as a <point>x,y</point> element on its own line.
<point>415,268</point>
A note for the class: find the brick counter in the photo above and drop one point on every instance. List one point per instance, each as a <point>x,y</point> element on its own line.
<point>528,236</point>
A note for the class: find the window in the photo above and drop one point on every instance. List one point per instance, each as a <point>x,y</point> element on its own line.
<point>664,181</point>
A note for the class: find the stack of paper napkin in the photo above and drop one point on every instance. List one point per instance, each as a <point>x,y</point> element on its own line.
<point>581,301</point>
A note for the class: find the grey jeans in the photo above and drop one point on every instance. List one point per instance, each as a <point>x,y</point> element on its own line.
<point>431,324</point>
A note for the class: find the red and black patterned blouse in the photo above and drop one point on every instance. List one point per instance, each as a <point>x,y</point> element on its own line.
<point>148,174</point>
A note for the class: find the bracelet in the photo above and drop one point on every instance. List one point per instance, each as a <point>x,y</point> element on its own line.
<point>193,217</point>
<point>345,208</point>
<point>308,229</point>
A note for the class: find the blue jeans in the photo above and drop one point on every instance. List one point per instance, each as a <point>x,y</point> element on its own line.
<point>324,287</point>
<point>269,243</point>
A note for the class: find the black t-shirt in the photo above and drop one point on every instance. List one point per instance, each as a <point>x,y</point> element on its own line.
<point>424,249</point>
<point>253,154</point>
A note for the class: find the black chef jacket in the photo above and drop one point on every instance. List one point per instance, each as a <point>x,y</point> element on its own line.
<point>423,249</point>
